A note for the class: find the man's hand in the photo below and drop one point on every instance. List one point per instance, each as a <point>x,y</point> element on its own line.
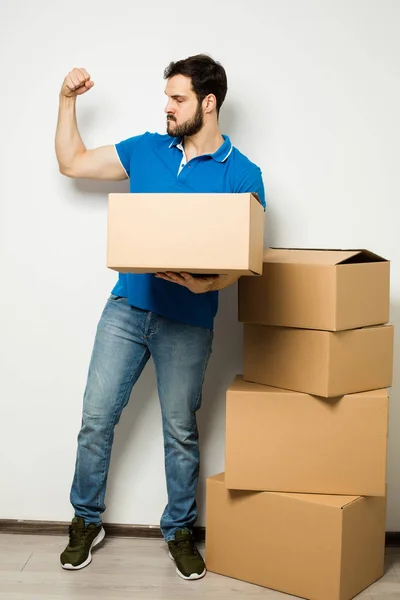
<point>76,83</point>
<point>197,285</point>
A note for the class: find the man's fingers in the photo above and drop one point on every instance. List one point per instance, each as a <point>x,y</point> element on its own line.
<point>174,276</point>
<point>199,277</point>
<point>78,77</point>
<point>167,276</point>
<point>73,82</point>
<point>76,83</point>
<point>85,74</point>
<point>81,75</point>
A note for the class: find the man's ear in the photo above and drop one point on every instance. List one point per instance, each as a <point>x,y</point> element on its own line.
<point>210,103</point>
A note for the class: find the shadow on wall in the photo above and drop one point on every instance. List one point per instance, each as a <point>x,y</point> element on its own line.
<point>227,117</point>
<point>139,424</point>
<point>226,362</point>
<point>395,320</point>
<point>394,418</point>
<point>94,189</point>
<point>271,233</point>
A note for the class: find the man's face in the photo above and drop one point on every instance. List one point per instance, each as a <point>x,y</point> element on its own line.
<point>184,113</point>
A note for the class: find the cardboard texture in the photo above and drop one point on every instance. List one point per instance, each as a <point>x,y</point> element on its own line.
<point>196,233</point>
<point>317,289</point>
<point>323,363</point>
<point>313,546</point>
<point>280,440</point>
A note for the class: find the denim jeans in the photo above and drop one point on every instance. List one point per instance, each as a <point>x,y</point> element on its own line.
<point>126,337</point>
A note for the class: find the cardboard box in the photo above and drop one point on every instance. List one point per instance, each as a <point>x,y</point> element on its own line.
<point>312,546</point>
<point>323,363</point>
<point>279,440</point>
<point>317,289</point>
<point>196,233</point>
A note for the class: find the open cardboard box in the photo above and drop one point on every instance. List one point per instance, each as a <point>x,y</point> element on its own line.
<point>317,289</point>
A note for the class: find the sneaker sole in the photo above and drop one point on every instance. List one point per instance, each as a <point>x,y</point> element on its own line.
<point>192,576</point>
<point>100,537</point>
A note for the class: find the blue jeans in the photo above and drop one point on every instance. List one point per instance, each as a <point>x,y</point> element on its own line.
<point>126,337</point>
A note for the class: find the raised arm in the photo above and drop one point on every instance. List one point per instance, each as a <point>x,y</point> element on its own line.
<point>73,158</point>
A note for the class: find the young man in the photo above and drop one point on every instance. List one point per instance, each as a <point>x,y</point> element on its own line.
<point>168,316</point>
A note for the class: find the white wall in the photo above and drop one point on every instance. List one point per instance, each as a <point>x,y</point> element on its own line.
<point>314,96</point>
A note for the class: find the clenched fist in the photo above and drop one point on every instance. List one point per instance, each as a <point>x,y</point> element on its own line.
<point>76,83</point>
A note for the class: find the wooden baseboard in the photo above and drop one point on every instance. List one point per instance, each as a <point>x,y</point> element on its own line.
<point>61,528</point>
<point>120,530</point>
<point>393,539</point>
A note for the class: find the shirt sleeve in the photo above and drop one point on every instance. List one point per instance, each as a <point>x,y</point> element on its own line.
<point>126,148</point>
<point>252,181</point>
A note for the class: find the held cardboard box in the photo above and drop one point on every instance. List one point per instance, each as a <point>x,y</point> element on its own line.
<point>312,546</point>
<point>197,233</point>
<point>278,440</point>
<point>317,289</point>
<point>323,363</point>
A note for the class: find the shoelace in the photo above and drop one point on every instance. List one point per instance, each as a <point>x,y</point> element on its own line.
<point>186,547</point>
<point>76,536</point>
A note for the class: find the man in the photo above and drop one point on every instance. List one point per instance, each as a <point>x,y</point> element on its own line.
<point>168,316</point>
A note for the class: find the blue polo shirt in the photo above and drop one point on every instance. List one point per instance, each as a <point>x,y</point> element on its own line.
<point>155,164</point>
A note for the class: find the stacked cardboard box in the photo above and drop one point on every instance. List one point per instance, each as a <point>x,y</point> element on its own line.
<point>301,505</point>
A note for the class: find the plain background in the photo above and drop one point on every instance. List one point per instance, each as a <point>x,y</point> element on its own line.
<point>314,96</point>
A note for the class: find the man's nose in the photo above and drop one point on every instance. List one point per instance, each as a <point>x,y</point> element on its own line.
<point>169,108</point>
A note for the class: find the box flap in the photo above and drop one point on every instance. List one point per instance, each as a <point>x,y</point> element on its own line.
<point>380,393</point>
<point>322,499</point>
<point>239,385</point>
<point>319,256</point>
<point>335,501</point>
<point>219,478</point>
<point>256,196</point>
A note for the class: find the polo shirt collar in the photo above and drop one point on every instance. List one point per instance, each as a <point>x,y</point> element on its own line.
<point>224,151</point>
<point>220,155</point>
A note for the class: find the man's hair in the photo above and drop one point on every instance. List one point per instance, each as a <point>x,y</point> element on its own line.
<point>207,76</point>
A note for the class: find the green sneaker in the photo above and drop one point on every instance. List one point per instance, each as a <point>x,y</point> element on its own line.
<point>81,541</point>
<point>188,560</point>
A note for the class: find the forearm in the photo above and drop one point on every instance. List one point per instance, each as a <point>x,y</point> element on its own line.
<point>68,142</point>
<point>224,281</point>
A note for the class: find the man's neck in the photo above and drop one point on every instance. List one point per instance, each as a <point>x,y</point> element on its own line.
<point>204,142</point>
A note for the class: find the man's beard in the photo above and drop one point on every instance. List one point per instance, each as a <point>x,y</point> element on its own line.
<point>190,127</point>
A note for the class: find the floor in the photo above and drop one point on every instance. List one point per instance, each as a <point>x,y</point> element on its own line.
<point>132,568</point>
